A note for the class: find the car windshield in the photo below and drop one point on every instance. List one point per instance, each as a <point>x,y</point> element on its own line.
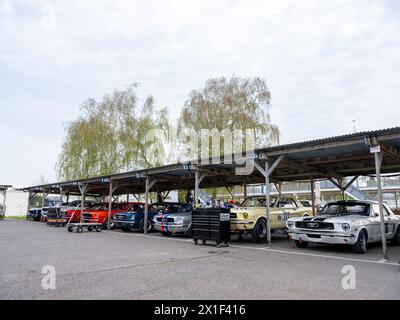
<point>122,206</point>
<point>137,208</point>
<point>98,207</point>
<point>346,209</point>
<point>257,202</point>
<point>159,206</point>
<point>173,208</point>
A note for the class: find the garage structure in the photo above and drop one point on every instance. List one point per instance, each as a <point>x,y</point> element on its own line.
<point>335,158</point>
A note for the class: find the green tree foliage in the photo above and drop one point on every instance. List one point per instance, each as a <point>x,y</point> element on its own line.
<point>109,137</point>
<point>229,104</point>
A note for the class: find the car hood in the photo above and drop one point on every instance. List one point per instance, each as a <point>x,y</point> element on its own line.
<point>334,218</point>
<point>173,215</point>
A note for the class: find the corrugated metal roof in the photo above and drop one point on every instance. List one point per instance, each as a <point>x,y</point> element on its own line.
<point>299,167</point>
<point>339,138</point>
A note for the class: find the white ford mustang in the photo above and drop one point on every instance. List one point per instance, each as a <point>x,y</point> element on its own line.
<point>354,223</point>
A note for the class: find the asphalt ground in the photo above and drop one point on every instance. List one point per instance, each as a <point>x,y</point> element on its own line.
<point>119,265</point>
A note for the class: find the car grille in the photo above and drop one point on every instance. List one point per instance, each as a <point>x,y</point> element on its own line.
<point>165,219</point>
<point>314,225</point>
<point>121,217</point>
<point>233,215</point>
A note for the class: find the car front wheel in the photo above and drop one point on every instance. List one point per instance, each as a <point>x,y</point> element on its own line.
<point>301,244</point>
<point>396,238</point>
<point>149,226</point>
<point>361,245</point>
<point>260,231</point>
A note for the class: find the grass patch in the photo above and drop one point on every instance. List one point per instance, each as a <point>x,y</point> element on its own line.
<point>16,217</point>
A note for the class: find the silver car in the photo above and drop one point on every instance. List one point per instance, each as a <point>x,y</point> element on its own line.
<point>354,223</point>
<point>176,218</point>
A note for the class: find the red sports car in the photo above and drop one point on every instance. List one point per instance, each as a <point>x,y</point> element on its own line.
<point>100,214</point>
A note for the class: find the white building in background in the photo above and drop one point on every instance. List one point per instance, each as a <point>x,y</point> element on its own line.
<point>16,202</point>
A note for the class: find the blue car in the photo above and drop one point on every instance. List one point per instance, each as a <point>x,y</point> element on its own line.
<point>134,220</point>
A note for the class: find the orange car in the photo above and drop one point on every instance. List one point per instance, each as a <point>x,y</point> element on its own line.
<point>100,214</point>
<point>72,212</point>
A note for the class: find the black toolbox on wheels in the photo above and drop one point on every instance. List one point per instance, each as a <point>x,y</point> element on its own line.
<point>211,224</point>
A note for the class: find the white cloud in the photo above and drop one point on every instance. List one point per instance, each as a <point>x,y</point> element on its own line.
<point>6,8</point>
<point>49,19</point>
<point>326,63</point>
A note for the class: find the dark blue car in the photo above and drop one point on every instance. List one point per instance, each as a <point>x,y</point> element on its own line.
<point>134,220</point>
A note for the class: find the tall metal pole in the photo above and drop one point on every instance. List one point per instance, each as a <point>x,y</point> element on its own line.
<point>146,205</point>
<point>267,198</point>
<point>110,195</point>
<point>396,200</point>
<point>378,160</point>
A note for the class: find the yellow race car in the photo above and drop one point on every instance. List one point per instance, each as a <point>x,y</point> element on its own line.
<point>251,216</point>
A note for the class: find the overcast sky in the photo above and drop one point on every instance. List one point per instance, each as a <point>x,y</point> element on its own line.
<point>326,63</point>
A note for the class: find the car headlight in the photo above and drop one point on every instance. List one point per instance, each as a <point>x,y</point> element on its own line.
<point>179,220</point>
<point>245,216</point>
<point>290,224</point>
<point>346,227</point>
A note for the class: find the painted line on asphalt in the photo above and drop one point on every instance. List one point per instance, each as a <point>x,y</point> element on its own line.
<point>269,250</point>
<point>317,255</point>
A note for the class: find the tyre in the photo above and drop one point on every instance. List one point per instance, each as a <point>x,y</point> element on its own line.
<point>396,239</point>
<point>105,225</point>
<point>149,226</point>
<point>361,245</point>
<point>301,244</point>
<point>260,231</point>
<point>189,233</point>
<point>98,229</point>
<point>70,229</point>
<point>79,229</point>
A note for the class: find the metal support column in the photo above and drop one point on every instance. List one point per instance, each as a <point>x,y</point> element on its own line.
<point>198,179</point>
<point>313,195</point>
<point>82,189</point>
<point>110,196</point>
<point>267,172</point>
<point>149,184</point>
<point>146,205</point>
<point>44,198</point>
<point>378,162</point>
<point>196,189</point>
<point>267,199</point>
<point>244,188</point>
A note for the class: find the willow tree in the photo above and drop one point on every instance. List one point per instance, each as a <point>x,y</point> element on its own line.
<point>109,136</point>
<point>232,104</point>
<point>228,105</point>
